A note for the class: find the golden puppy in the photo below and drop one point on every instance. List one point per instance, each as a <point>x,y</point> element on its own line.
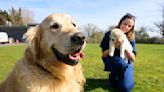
<point>51,60</point>
<point>117,34</point>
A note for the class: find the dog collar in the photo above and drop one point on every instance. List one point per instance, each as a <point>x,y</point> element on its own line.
<point>41,67</point>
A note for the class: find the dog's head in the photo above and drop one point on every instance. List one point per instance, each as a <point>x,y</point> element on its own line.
<point>116,34</point>
<point>57,37</point>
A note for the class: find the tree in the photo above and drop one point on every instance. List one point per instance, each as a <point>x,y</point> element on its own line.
<point>16,17</point>
<point>160,25</point>
<point>142,35</point>
<point>4,16</point>
<point>96,37</point>
<point>89,29</point>
<point>93,33</point>
<point>27,16</point>
<point>111,27</point>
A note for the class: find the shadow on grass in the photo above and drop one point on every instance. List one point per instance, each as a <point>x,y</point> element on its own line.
<point>92,84</point>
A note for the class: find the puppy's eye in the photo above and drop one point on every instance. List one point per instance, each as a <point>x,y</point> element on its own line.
<point>74,24</point>
<point>55,26</point>
<point>112,39</point>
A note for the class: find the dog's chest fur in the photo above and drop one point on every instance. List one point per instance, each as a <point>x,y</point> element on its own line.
<point>31,78</point>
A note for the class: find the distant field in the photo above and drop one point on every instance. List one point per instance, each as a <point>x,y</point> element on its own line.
<point>149,67</point>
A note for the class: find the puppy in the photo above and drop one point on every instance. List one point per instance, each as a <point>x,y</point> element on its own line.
<point>117,34</point>
<point>51,60</point>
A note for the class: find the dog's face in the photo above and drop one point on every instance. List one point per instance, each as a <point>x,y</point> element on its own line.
<point>58,36</point>
<point>116,35</point>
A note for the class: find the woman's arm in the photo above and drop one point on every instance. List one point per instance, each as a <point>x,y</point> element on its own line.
<point>105,45</point>
<point>130,55</point>
<point>105,53</point>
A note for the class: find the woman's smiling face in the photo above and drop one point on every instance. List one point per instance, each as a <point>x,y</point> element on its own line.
<point>127,25</point>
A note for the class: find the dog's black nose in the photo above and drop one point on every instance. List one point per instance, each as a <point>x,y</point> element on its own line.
<point>78,38</point>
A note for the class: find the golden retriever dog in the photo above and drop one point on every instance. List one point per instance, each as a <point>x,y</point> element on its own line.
<point>51,60</point>
<point>117,34</point>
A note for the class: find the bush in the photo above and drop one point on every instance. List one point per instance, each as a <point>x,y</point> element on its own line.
<point>153,40</point>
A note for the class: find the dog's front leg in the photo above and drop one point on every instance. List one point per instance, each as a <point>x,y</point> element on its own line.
<point>111,48</point>
<point>122,50</point>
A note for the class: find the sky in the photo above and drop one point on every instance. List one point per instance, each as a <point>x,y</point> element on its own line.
<point>101,13</point>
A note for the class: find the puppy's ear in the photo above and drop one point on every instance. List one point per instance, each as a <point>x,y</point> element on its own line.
<point>120,38</point>
<point>33,37</point>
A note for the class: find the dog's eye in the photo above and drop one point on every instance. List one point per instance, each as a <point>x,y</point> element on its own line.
<point>55,26</point>
<point>112,39</point>
<point>74,24</point>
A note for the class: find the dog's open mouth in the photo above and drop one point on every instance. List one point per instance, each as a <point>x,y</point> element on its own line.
<point>70,59</point>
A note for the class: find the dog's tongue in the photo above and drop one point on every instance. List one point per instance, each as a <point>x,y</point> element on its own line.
<point>76,56</point>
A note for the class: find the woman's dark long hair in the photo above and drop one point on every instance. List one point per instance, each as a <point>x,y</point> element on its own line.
<point>131,33</point>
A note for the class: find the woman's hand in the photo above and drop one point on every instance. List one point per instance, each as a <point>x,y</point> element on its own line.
<point>130,55</point>
<point>105,53</point>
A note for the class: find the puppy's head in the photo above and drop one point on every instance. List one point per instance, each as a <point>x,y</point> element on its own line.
<point>116,34</point>
<point>59,37</point>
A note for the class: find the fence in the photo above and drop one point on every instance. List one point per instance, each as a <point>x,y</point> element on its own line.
<point>15,32</point>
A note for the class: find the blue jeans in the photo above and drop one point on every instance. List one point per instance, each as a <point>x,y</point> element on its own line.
<point>114,64</point>
<point>122,74</point>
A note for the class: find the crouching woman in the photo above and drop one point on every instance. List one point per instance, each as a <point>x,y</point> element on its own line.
<point>121,74</point>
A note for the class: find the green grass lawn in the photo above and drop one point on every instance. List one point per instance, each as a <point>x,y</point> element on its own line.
<point>149,67</point>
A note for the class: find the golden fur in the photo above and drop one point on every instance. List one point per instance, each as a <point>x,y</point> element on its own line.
<point>117,34</point>
<point>39,70</point>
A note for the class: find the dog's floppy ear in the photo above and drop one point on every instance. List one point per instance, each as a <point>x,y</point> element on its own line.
<point>33,37</point>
